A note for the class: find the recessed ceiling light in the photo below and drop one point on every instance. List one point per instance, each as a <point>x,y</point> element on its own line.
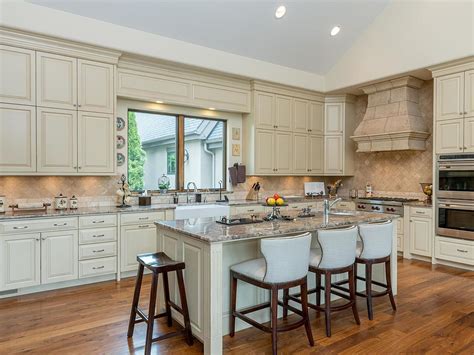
<point>211,108</point>
<point>335,30</point>
<point>280,11</point>
<point>159,102</point>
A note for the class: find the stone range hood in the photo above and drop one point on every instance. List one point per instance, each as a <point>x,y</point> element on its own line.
<point>393,119</point>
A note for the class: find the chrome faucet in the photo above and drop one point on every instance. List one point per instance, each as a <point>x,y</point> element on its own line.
<point>187,189</point>
<point>327,208</point>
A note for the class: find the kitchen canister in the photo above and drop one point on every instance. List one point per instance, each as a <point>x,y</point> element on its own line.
<point>60,202</point>
<point>3,203</point>
<point>73,205</point>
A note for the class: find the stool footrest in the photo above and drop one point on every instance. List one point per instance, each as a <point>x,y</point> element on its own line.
<point>169,335</point>
<point>144,317</point>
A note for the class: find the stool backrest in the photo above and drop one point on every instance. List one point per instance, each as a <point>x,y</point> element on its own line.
<point>376,239</point>
<point>287,258</point>
<point>338,247</point>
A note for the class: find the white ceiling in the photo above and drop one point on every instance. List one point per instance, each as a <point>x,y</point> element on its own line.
<point>300,40</point>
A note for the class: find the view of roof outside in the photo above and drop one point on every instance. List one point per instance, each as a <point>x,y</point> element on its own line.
<point>152,150</point>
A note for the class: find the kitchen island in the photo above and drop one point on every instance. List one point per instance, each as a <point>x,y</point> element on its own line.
<point>209,249</point>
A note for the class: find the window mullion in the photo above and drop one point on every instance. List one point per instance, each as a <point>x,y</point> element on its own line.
<point>180,150</point>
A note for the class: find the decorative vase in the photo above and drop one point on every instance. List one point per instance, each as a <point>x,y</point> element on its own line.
<point>164,184</point>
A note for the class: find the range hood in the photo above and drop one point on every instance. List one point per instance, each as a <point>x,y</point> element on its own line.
<point>393,119</point>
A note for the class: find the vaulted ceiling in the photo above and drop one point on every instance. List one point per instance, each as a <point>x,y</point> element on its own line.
<point>299,40</point>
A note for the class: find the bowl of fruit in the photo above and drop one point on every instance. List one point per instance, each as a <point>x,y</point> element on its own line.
<point>275,200</point>
<point>427,188</point>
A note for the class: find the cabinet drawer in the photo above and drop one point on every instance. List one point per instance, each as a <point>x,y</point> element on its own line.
<point>142,217</point>
<point>248,209</point>
<point>98,250</point>
<point>88,268</point>
<point>461,251</point>
<point>98,235</point>
<point>346,205</point>
<point>420,212</point>
<point>108,220</point>
<point>39,225</point>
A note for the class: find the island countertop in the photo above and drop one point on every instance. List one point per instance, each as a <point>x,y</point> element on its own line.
<point>207,230</point>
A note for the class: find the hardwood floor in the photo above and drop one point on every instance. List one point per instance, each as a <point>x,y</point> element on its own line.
<point>435,315</point>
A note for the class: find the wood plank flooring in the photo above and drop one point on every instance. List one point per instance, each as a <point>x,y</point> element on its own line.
<point>435,315</point>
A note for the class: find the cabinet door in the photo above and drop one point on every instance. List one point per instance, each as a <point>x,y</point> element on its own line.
<point>333,155</point>
<point>17,139</point>
<point>300,153</point>
<point>95,86</point>
<point>469,134</point>
<point>59,256</point>
<point>420,236</point>
<point>136,240</point>
<point>449,136</point>
<point>283,152</point>
<point>316,155</point>
<point>264,110</point>
<point>57,81</point>
<point>17,73</point>
<point>20,261</point>
<point>316,118</point>
<point>264,152</point>
<point>469,93</point>
<point>300,116</point>
<point>57,140</point>
<point>95,143</point>
<point>334,118</point>
<point>283,114</point>
<point>449,96</point>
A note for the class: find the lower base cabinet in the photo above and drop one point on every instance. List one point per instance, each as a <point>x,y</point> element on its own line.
<point>59,256</point>
<point>136,239</point>
<point>421,236</point>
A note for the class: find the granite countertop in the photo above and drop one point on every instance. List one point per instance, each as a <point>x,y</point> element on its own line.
<point>206,229</point>
<point>419,204</point>
<point>51,212</point>
<point>289,200</point>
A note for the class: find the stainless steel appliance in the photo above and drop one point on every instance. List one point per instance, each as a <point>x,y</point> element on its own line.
<point>389,205</point>
<point>455,218</point>
<point>455,176</point>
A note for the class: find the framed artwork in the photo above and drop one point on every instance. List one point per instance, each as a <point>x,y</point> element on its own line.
<point>235,150</point>
<point>235,133</point>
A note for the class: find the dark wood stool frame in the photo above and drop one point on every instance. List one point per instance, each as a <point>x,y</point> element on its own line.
<point>369,282</point>
<point>328,309</point>
<point>164,265</point>
<point>273,304</point>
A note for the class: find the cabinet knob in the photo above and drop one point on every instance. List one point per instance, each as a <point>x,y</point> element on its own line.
<point>460,148</point>
<point>80,167</point>
<point>460,113</point>
<point>79,105</point>
<point>74,105</point>
<point>465,113</point>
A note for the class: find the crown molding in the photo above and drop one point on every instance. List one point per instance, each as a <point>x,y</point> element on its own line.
<point>454,66</point>
<point>281,89</point>
<point>345,98</point>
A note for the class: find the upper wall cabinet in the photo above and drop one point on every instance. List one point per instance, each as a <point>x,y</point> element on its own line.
<point>74,84</point>
<point>334,118</point>
<point>264,110</point>
<point>301,116</point>
<point>17,139</point>
<point>17,73</point>
<point>283,113</point>
<point>449,103</point>
<point>316,118</point>
<point>469,93</point>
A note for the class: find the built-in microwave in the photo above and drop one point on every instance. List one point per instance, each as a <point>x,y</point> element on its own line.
<point>455,218</point>
<point>455,176</point>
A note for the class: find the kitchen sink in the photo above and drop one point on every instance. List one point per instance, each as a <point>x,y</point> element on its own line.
<point>199,211</point>
<point>342,213</point>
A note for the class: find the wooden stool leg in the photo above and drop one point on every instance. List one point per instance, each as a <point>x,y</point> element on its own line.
<point>286,296</point>
<point>318,289</point>
<point>368,289</point>
<point>151,314</point>
<point>233,303</point>
<point>166,288</point>
<point>136,299</point>
<point>389,284</point>
<point>327,301</point>
<point>352,295</point>
<point>184,307</point>
<point>304,308</point>
<point>274,307</point>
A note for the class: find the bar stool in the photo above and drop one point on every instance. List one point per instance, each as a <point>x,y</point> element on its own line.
<point>375,248</point>
<point>159,263</point>
<point>337,255</point>
<point>284,265</point>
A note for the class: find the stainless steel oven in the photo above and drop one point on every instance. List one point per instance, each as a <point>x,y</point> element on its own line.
<point>455,176</point>
<point>455,218</point>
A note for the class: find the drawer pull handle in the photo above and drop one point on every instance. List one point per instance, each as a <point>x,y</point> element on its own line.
<point>24,227</point>
<point>98,235</point>
<point>60,225</point>
<point>98,267</point>
<point>98,221</point>
<point>250,210</point>
<point>142,218</point>
<point>143,226</point>
<point>98,251</point>
<point>419,212</point>
<point>461,250</point>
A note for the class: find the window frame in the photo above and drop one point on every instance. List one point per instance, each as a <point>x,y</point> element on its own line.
<point>180,147</point>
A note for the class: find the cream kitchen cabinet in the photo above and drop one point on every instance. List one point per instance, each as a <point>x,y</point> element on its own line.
<point>57,140</point>
<point>421,238</point>
<point>450,96</point>
<point>283,113</point>
<point>316,118</point>
<point>449,136</point>
<point>469,93</point>
<point>59,256</point>
<point>334,118</point>
<point>334,155</point>
<point>300,154</point>
<point>17,139</point>
<point>301,116</point>
<point>468,144</point>
<point>264,152</point>
<point>74,84</point>
<point>95,143</point>
<point>283,152</point>
<point>316,155</point>
<point>136,239</point>
<point>20,261</point>
<point>17,73</point>
<point>264,110</point>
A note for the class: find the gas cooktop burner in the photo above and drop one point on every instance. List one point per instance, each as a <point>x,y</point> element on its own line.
<point>385,198</point>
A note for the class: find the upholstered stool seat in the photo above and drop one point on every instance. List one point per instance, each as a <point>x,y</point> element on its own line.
<point>284,265</point>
